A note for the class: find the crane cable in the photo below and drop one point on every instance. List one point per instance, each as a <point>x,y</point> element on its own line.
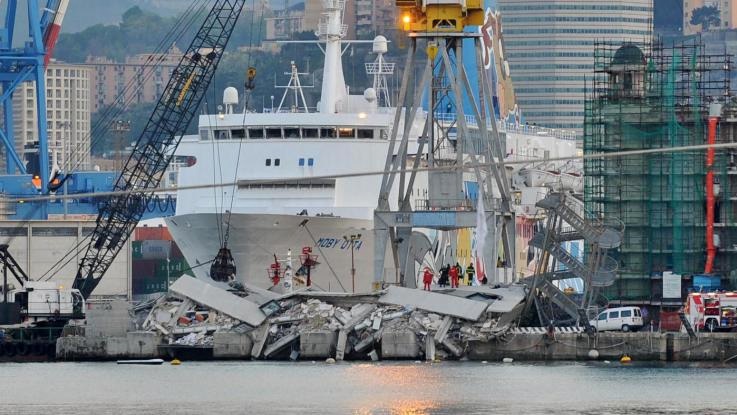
<point>530,161</point>
<point>153,62</point>
<point>176,32</point>
<point>226,234</point>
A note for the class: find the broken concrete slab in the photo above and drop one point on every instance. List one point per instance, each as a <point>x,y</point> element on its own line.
<point>452,347</point>
<point>218,299</point>
<point>429,348</point>
<point>443,330</point>
<point>259,336</point>
<point>368,341</point>
<point>434,302</point>
<point>342,342</point>
<point>499,300</point>
<point>281,343</point>
<point>359,314</point>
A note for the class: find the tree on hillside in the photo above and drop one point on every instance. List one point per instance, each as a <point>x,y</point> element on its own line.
<point>706,16</point>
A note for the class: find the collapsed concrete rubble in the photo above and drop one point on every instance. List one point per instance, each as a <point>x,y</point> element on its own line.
<point>397,323</point>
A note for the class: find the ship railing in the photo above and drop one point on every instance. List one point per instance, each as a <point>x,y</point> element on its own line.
<point>461,205</point>
<point>376,68</point>
<point>451,117</point>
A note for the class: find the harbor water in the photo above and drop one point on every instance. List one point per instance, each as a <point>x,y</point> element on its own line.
<point>366,388</point>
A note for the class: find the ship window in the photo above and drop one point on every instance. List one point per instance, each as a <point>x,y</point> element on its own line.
<point>255,133</point>
<point>311,162</point>
<point>301,162</point>
<point>347,133</point>
<point>239,134</point>
<point>13,232</point>
<point>273,133</point>
<point>384,135</point>
<point>50,231</point>
<point>309,133</point>
<point>268,162</point>
<point>222,134</point>
<point>365,134</point>
<point>291,132</point>
<point>277,162</point>
<point>204,135</point>
<point>327,132</point>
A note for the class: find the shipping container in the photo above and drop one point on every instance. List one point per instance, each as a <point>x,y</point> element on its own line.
<point>156,249</point>
<point>144,268</point>
<point>137,246</point>
<point>152,233</point>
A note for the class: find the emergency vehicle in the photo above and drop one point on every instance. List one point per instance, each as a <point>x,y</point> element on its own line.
<point>712,311</point>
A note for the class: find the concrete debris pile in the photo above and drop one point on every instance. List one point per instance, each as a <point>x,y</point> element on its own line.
<point>183,322</point>
<point>398,323</point>
<point>365,330</point>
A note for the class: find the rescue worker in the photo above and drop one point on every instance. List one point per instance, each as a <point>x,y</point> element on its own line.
<point>471,273</point>
<point>427,279</point>
<point>444,272</point>
<point>453,273</point>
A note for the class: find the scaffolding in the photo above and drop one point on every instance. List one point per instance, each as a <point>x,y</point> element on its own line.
<point>645,96</point>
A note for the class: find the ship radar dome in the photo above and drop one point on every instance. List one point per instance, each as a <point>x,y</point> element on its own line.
<point>380,44</point>
<point>370,94</point>
<point>230,96</point>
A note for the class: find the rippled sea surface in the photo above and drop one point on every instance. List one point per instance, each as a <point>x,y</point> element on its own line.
<point>367,388</point>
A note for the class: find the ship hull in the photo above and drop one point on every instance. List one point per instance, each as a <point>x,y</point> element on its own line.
<point>254,239</point>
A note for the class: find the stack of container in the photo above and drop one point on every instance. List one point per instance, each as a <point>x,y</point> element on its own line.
<point>157,261</point>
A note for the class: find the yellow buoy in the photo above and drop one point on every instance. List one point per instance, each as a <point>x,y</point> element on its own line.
<point>625,359</point>
<point>176,362</point>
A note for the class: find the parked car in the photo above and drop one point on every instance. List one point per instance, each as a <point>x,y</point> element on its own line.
<point>620,318</point>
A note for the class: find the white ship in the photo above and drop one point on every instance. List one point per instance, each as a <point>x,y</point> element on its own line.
<point>268,213</point>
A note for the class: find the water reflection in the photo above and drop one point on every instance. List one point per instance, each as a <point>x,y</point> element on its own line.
<point>365,388</point>
<point>392,384</point>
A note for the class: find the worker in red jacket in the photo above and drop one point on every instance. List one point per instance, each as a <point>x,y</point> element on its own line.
<point>427,278</point>
<point>453,277</point>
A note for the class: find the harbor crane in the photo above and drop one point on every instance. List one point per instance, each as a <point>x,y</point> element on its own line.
<point>155,148</point>
<point>142,172</point>
<point>24,61</point>
<point>444,82</point>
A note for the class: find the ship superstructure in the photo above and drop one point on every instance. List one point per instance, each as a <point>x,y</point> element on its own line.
<point>310,179</point>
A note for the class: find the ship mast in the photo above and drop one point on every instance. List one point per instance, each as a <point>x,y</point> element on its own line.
<point>380,69</point>
<point>295,86</point>
<point>332,30</point>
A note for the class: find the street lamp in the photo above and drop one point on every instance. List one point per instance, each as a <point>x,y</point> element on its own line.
<point>352,240</point>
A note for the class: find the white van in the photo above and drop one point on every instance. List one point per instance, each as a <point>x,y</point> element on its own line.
<point>620,318</point>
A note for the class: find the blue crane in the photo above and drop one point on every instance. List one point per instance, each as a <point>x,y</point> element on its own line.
<point>25,49</point>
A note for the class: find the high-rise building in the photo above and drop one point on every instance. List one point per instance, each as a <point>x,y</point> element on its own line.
<point>68,116</point>
<point>284,22</point>
<point>727,14</point>
<point>550,48</point>
<point>140,79</point>
<point>375,17</point>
